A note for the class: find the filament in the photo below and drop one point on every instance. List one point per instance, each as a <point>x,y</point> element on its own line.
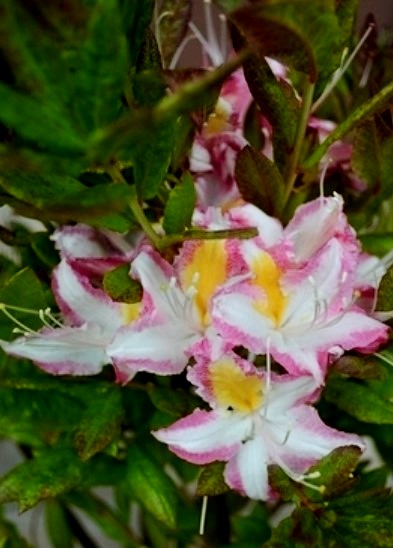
<point>203,515</point>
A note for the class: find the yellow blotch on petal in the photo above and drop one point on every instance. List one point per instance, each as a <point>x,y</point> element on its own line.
<point>267,277</point>
<point>234,389</point>
<point>130,312</point>
<point>206,270</point>
<point>218,121</point>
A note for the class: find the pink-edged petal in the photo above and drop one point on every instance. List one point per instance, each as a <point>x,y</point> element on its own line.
<point>200,373</point>
<point>354,329</point>
<point>270,229</point>
<point>206,436</point>
<point>236,92</point>
<point>308,439</point>
<point>237,321</point>
<point>63,351</point>
<point>313,224</point>
<point>297,360</point>
<point>158,349</point>
<point>322,289</point>
<point>159,284</point>
<point>200,158</point>
<point>287,391</point>
<point>246,472</point>
<point>80,302</point>
<point>80,241</point>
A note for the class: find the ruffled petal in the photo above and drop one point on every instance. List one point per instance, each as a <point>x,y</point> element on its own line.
<point>313,224</point>
<point>158,349</point>
<point>308,439</point>
<point>80,302</point>
<point>63,351</point>
<point>247,470</point>
<point>205,436</point>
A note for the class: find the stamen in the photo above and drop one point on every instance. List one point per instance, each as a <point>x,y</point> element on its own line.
<point>223,35</point>
<point>366,73</point>
<point>384,358</point>
<point>322,181</point>
<point>25,330</point>
<point>203,515</point>
<point>341,70</point>
<point>268,365</point>
<point>157,27</point>
<point>268,378</point>
<point>180,49</point>
<point>214,58</point>
<point>300,478</point>
<point>214,47</point>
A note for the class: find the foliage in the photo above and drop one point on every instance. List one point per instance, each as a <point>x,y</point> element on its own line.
<point>97,127</point>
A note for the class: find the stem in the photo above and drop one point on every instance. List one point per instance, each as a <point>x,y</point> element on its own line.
<point>366,110</point>
<point>136,208</point>
<point>291,171</point>
<point>180,102</point>
<point>197,234</point>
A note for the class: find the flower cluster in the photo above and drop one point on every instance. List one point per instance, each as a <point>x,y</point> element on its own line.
<point>289,295</point>
<point>256,323</point>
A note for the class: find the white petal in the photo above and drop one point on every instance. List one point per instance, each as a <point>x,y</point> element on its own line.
<point>68,350</point>
<point>247,471</point>
<point>159,349</point>
<point>80,302</point>
<point>206,436</point>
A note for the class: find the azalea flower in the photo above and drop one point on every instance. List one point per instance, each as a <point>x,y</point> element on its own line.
<point>255,421</point>
<point>175,318</point>
<point>94,251</point>
<point>214,151</point>
<point>299,302</point>
<point>91,319</point>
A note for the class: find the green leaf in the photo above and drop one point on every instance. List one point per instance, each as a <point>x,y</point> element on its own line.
<point>151,156</point>
<point>136,17</point>
<point>259,181</point>
<point>366,154</point>
<point>301,34</point>
<point>362,400</point>
<point>57,525</point>
<point>276,100</point>
<point>121,287</point>
<point>99,423</point>
<point>365,367</point>
<point>364,111</point>
<point>103,516</point>
<point>346,11</point>
<point>211,480</point>
<point>253,529</point>
<point>26,291</point>
<point>297,531</point>
<point>100,67</point>
<point>364,519</point>
<point>148,83</point>
<point>10,537</point>
<point>151,486</point>
<point>377,244</point>
<point>63,198</point>
<point>38,123</point>
<point>35,417</point>
<point>173,19</point>
<point>173,402</point>
<point>44,248</point>
<point>385,292</point>
<point>180,206</point>
<point>335,471</point>
<point>54,472</point>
